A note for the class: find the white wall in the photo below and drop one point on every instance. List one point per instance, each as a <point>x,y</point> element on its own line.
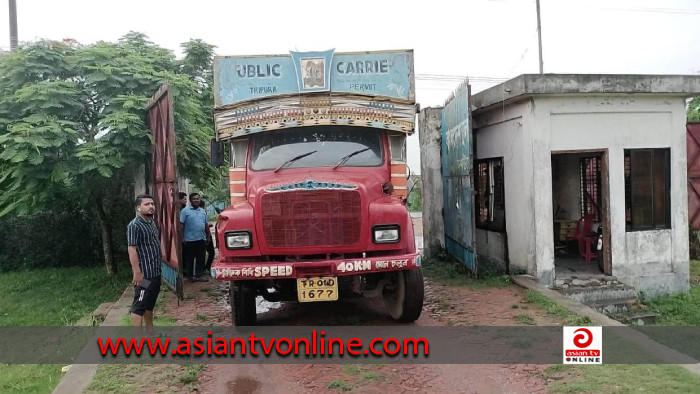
<point>652,261</point>
<point>492,246</point>
<point>527,133</point>
<point>500,133</point>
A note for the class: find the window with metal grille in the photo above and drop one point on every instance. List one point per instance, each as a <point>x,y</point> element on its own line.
<point>590,186</point>
<point>490,195</point>
<point>647,189</point>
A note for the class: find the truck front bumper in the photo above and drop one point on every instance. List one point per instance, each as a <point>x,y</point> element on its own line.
<point>228,271</point>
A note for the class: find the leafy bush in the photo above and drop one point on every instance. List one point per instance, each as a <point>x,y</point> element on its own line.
<point>61,237</point>
<point>694,244</point>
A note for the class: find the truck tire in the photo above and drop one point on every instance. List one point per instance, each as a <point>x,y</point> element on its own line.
<point>242,300</point>
<point>405,301</point>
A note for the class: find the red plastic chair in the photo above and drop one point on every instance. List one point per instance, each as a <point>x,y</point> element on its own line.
<point>582,235</point>
<point>589,251</point>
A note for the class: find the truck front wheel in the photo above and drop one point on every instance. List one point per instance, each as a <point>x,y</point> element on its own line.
<point>242,300</point>
<point>403,297</point>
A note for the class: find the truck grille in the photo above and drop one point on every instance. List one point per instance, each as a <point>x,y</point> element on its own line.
<point>311,218</point>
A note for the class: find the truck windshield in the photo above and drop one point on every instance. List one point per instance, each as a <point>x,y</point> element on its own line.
<point>271,149</point>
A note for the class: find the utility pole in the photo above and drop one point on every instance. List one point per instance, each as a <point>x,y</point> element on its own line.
<point>13,25</point>
<point>539,35</point>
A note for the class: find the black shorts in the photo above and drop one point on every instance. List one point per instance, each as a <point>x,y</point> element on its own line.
<point>145,297</point>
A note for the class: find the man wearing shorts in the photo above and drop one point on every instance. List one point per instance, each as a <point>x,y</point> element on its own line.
<point>145,257</point>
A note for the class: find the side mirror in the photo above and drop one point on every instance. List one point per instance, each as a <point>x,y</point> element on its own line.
<point>217,153</point>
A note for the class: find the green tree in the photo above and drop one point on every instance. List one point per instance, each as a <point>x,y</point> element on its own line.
<point>198,64</point>
<point>694,110</point>
<point>415,197</point>
<point>73,127</point>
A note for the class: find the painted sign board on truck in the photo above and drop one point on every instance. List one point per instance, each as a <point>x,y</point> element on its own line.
<point>239,79</point>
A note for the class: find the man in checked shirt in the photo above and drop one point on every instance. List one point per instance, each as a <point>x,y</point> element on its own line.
<point>145,257</point>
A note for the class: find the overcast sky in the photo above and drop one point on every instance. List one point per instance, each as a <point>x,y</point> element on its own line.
<point>487,40</point>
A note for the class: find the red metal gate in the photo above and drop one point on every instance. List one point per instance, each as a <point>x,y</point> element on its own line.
<point>163,184</point>
<point>693,147</point>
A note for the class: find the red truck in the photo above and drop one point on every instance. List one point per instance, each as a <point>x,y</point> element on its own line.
<point>316,145</point>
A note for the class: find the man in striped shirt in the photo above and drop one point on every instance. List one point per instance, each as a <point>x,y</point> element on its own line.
<point>145,257</point>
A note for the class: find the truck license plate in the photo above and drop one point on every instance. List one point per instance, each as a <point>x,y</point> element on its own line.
<point>317,289</point>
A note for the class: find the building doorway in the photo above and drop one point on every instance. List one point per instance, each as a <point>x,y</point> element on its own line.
<point>580,200</point>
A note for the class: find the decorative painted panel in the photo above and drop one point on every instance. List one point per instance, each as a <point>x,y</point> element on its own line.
<point>387,74</point>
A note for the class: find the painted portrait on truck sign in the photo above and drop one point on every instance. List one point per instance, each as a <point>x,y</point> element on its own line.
<point>313,71</point>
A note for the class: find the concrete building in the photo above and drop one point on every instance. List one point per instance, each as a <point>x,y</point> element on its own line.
<point>551,149</point>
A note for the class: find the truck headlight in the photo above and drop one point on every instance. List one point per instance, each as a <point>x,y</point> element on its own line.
<point>238,240</point>
<point>386,234</point>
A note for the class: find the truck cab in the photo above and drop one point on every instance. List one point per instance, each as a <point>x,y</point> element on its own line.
<point>318,194</point>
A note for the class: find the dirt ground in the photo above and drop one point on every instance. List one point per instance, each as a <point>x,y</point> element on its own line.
<point>206,304</point>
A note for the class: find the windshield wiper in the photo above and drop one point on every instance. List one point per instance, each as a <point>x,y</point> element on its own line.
<point>346,158</point>
<point>293,159</point>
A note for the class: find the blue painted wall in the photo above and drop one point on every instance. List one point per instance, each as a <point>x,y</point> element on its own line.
<point>456,168</point>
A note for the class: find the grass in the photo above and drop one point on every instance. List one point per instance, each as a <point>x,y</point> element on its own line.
<point>56,297</point>
<point>370,376</point>
<point>201,318</point>
<point>130,378</point>
<point>191,374</point>
<point>553,309</point>
<point>614,378</point>
<point>415,207</point>
<point>352,369</point>
<point>680,309</point>
<point>456,274</point>
<point>50,297</point>
<point>677,310</point>
<point>29,378</point>
<point>525,320</point>
<point>443,305</point>
<point>695,268</point>
<point>339,385</point>
<point>361,373</point>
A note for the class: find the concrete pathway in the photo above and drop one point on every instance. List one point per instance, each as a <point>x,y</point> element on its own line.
<point>79,376</point>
